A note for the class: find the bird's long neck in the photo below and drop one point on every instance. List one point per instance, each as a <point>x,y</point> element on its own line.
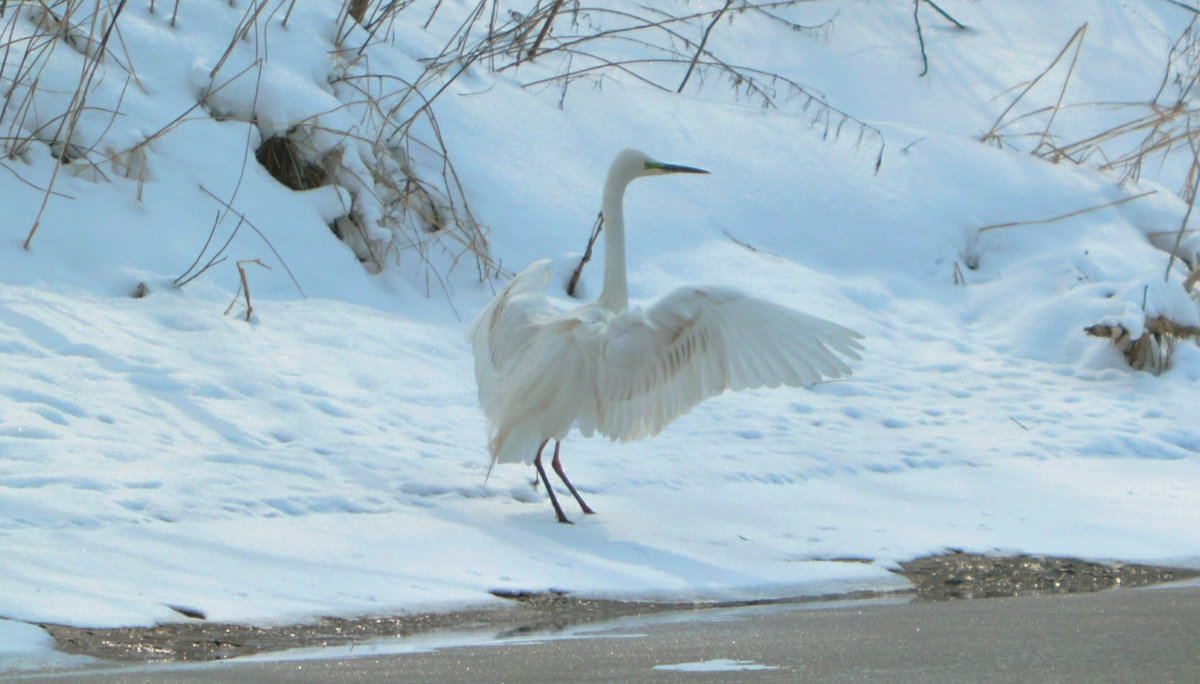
<point>615,295</point>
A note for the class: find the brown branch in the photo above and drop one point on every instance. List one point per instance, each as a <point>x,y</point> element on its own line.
<point>537,43</point>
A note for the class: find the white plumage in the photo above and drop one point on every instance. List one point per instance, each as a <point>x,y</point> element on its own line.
<point>628,373</point>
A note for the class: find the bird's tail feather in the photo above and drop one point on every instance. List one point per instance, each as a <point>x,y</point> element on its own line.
<point>516,444</point>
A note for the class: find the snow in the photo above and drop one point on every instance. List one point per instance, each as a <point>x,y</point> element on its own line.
<point>329,456</point>
<point>717,665</point>
<point>25,647</point>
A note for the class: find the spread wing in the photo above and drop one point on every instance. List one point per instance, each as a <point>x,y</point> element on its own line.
<point>503,330</point>
<point>628,375</point>
<point>696,343</point>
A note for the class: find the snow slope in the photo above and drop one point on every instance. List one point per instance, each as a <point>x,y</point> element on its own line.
<point>329,456</point>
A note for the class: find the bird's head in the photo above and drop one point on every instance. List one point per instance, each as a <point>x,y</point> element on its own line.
<point>630,164</point>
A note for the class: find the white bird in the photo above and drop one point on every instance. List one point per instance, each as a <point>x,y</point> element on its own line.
<point>627,373</point>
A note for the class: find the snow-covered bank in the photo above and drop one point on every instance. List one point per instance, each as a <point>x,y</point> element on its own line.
<point>329,456</point>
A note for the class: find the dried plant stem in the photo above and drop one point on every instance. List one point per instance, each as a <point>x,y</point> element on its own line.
<point>1067,215</point>
<point>253,227</point>
<point>1189,8</point>
<point>1183,224</point>
<point>248,20</point>
<point>670,49</point>
<point>992,134</point>
<point>1063,91</point>
<point>187,276</point>
<point>245,286</point>
<point>75,111</point>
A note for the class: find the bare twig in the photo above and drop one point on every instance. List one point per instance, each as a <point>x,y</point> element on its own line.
<point>920,38</point>
<point>667,42</point>
<point>747,245</point>
<point>253,227</point>
<point>703,42</point>
<point>248,20</point>
<point>944,14</point>
<point>587,255</point>
<point>541,36</point>
<point>921,34</point>
<point>1189,8</point>
<point>184,278</point>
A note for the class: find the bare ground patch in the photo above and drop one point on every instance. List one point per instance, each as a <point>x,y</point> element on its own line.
<point>943,577</point>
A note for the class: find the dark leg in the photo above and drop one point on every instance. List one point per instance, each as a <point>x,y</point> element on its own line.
<point>537,462</point>
<point>536,480</point>
<point>557,465</point>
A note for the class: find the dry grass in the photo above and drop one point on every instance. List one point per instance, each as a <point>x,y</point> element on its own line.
<point>407,205</point>
<point>404,177</point>
<point>1162,132</point>
<point>79,25</point>
<point>666,46</point>
<point>1067,215</point>
<point>1151,351</point>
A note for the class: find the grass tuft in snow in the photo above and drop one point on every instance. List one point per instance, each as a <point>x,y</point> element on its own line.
<point>1152,350</point>
<point>1162,131</point>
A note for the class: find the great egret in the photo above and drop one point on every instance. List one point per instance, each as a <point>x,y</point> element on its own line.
<point>627,373</point>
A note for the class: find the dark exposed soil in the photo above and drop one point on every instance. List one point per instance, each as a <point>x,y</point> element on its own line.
<point>966,575</point>
<point>944,577</point>
<point>203,640</point>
